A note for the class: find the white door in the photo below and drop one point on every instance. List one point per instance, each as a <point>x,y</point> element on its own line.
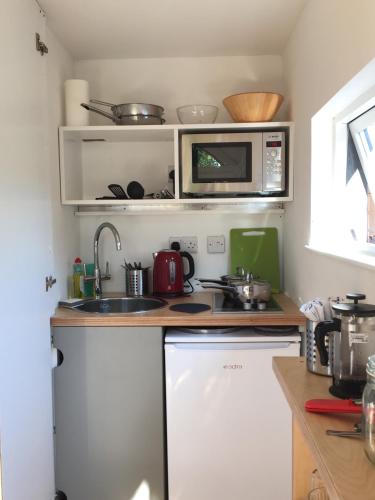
<point>25,256</point>
<point>228,424</point>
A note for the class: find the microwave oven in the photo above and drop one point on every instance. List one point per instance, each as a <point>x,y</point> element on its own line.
<point>233,163</point>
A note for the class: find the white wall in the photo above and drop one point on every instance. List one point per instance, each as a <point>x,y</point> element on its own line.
<point>143,234</point>
<point>173,82</point>
<point>331,43</point>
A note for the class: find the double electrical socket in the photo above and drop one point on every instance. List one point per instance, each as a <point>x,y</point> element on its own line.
<point>187,243</point>
<point>216,244</point>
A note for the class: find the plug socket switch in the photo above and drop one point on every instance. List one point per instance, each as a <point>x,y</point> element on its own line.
<point>216,244</point>
<point>187,243</point>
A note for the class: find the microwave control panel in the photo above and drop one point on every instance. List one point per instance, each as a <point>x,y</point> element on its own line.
<point>273,161</point>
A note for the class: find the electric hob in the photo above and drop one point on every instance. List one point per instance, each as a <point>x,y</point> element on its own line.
<point>225,303</point>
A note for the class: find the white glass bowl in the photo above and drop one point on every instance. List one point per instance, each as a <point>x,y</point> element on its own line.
<point>197,113</point>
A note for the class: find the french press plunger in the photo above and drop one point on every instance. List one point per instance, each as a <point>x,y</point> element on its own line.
<point>353,330</point>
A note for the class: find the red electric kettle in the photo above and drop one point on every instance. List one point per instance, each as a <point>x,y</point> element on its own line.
<point>168,273</point>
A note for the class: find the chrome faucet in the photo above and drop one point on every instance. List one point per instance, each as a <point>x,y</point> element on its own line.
<point>97,278</point>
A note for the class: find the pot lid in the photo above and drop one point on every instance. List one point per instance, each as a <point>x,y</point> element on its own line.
<point>236,278</point>
<point>232,277</point>
<point>349,309</point>
<point>240,283</point>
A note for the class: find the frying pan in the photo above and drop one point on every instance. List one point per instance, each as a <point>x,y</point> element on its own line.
<point>129,113</point>
<point>128,109</point>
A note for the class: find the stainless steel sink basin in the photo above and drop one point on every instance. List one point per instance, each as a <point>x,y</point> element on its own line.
<point>117,305</point>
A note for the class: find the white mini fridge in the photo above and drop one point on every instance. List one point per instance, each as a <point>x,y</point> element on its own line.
<point>228,424</point>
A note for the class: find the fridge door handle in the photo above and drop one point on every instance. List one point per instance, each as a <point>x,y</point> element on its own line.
<point>57,357</point>
<point>232,346</point>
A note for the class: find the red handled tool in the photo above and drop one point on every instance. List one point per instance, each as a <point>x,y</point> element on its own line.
<point>333,406</point>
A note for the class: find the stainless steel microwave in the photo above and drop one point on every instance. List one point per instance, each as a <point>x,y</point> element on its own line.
<point>233,163</point>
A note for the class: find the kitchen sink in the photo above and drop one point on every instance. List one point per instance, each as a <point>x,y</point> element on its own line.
<point>117,305</point>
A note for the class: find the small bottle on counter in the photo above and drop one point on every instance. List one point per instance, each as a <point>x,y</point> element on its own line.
<point>368,405</point>
<point>78,283</point>
<point>89,285</point>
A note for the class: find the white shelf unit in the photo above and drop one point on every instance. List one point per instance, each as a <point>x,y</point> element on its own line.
<point>93,157</point>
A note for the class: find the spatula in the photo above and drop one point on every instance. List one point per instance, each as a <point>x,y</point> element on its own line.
<point>118,191</point>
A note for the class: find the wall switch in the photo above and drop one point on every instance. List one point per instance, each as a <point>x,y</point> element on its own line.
<point>216,244</point>
<point>187,243</point>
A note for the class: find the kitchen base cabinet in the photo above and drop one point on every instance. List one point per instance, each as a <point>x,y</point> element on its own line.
<point>108,405</point>
<point>341,463</point>
<point>303,464</point>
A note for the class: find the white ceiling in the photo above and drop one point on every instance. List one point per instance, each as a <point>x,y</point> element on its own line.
<point>95,29</point>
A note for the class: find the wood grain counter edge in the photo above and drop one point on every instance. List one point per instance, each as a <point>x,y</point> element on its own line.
<point>299,415</point>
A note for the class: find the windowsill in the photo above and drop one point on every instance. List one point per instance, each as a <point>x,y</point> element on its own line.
<point>353,256</point>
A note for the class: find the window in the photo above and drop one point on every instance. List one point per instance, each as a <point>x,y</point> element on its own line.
<point>361,165</point>
<point>343,172</point>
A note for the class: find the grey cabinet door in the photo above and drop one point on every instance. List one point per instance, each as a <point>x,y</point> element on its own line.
<point>108,403</point>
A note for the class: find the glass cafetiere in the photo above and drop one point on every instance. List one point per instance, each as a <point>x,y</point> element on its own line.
<point>353,330</point>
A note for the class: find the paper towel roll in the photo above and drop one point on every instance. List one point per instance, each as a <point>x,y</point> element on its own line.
<point>76,91</point>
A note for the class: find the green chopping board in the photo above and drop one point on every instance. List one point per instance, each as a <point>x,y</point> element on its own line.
<point>257,251</point>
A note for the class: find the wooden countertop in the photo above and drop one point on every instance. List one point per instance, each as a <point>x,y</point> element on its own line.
<point>342,463</point>
<point>290,315</point>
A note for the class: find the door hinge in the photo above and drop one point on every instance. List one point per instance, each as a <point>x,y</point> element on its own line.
<point>50,281</point>
<point>40,46</point>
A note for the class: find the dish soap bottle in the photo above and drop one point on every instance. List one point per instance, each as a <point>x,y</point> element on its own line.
<point>78,283</point>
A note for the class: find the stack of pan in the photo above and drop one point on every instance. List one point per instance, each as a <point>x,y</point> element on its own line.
<point>242,287</point>
<point>130,113</point>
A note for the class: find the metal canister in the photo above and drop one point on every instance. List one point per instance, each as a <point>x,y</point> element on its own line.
<point>312,356</point>
<point>136,282</point>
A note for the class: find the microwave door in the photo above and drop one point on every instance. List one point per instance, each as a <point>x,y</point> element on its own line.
<point>222,164</point>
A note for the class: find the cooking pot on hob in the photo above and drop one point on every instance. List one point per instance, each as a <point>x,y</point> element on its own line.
<point>245,290</point>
